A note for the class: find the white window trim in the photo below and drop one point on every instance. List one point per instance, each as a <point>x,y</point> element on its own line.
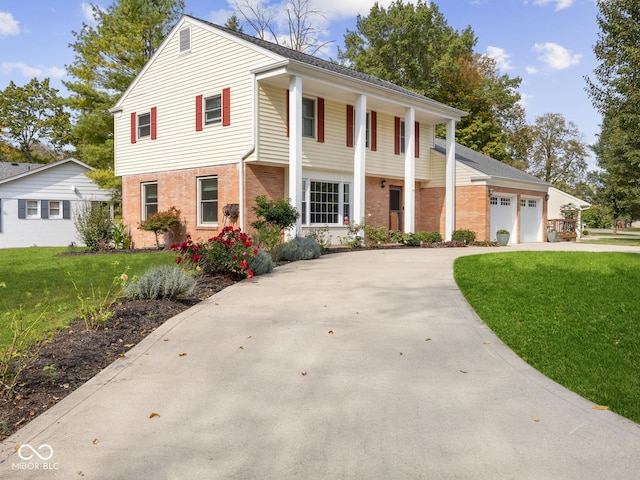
<point>37,215</point>
<point>200,222</point>
<point>306,195</point>
<point>143,198</point>
<point>314,135</point>
<point>138,125</point>
<point>204,110</point>
<point>60,210</point>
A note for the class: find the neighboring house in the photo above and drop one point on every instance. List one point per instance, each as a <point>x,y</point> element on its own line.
<point>217,117</point>
<point>560,201</point>
<point>38,202</point>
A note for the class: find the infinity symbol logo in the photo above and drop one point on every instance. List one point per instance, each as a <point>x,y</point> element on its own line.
<point>44,452</point>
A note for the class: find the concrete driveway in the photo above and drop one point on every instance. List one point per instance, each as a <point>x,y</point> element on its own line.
<point>357,365</point>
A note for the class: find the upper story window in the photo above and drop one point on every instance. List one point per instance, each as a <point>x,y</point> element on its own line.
<point>185,39</point>
<point>308,118</point>
<point>213,109</point>
<point>149,199</point>
<point>144,125</point>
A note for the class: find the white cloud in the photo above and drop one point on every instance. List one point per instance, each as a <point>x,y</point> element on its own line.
<point>555,56</point>
<point>560,4</point>
<point>87,11</point>
<point>8,25</point>
<point>501,57</point>
<point>220,17</point>
<point>531,70</point>
<point>525,99</point>
<point>30,72</point>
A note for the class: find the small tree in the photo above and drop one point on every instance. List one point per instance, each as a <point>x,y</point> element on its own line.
<point>274,216</point>
<point>161,222</point>
<point>94,225</point>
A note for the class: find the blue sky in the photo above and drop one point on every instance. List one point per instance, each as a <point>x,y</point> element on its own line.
<point>548,43</point>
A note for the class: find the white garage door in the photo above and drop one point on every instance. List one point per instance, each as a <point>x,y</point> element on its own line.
<point>530,220</point>
<point>503,216</point>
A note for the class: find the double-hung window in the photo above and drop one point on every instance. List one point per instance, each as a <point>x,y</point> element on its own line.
<point>55,209</point>
<point>208,201</point>
<point>33,209</point>
<point>144,125</point>
<point>213,109</point>
<point>325,202</point>
<point>149,199</point>
<point>308,118</point>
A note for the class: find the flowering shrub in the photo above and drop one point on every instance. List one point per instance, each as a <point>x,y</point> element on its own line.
<point>228,252</point>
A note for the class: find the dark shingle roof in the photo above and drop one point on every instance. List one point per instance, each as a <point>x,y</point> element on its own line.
<point>10,169</point>
<point>327,65</point>
<point>487,165</point>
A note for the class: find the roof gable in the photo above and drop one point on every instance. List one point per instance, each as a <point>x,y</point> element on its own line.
<point>487,165</point>
<point>39,168</point>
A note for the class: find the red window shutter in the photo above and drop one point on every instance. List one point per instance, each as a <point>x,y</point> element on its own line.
<point>287,112</point>
<point>198,113</point>
<point>350,115</point>
<point>417,140</point>
<point>226,107</point>
<point>396,135</point>
<point>374,132</point>
<point>154,123</point>
<point>321,120</point>
<point>134,133</point>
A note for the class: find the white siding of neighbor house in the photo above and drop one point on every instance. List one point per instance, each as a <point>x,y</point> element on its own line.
<point>333,154</point>
<point>171,83</point>
<point>56,184</point>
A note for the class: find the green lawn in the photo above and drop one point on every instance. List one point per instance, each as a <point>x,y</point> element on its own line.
<point>610,239</point>
<point>574,316</point>
<point>37,283</point>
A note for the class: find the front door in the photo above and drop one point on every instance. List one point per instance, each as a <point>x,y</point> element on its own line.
<point>395,208</point>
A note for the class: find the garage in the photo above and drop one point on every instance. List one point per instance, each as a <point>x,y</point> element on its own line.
<point>503,216</point>
<point>530,220</point>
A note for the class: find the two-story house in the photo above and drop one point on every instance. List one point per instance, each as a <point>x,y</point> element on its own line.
<point>218,117</point>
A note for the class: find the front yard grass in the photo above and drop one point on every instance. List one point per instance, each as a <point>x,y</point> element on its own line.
<point>37,285</point>
<point>574,316</point>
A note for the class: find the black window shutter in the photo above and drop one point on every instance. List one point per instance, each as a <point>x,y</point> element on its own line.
<point>22,208</point>
<point>44,209</point>
<point>66,209</point>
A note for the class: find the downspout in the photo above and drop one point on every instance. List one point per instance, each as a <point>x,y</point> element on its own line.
<point>245,155</point>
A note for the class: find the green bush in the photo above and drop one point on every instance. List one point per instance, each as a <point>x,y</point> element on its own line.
<point>320,235</point>
<point>274,216</point>
<point>161,222</point>
<point>261,263</point>
<point>374,237</point>
<point>94,226</point>
<point>429,237</point>
<point>161,282</point>
<point>466,236</point>
<point>300,248</point>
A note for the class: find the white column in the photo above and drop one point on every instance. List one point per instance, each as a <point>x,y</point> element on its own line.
<point>409,171</point>
<point>450,181</point>
<point>295,151</point>
<point>359,158</point>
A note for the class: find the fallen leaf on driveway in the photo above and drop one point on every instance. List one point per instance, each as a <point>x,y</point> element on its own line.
<point>330,332</point>
<point>182,354</point>
<point>463,371</point>
<point>600,407</point>
<point>304,374</point>
<point>428,339</point>
<point>535,418</point>
<point>154,414</point>
<point>95,441</point>
<point>129,345</point>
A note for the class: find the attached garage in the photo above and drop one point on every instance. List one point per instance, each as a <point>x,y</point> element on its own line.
<point>530,220</point>
<point>503,215</point>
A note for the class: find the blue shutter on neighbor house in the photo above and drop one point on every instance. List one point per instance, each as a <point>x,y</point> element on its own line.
<point>44,209</point>
<point>66,209</point>
<point>22,208</point>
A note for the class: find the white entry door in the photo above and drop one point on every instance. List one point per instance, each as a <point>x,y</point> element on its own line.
<point>530,220</point>
<point>503,216</point>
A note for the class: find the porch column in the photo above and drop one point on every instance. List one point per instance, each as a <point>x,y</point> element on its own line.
<point>359,158</point>
<point>409,171</point>
<point>450,181</point>
<point>295,152</point>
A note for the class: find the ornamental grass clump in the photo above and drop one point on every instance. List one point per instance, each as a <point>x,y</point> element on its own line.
<point>300,248</point>
<point>261,263</point>
<point>162,282</point>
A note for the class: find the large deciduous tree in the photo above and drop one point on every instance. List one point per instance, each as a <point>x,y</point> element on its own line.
<point>33,115</point>
<point>614,92</point>
<point>558,154</point>
<point>108,56</point>
<point>413,46</point>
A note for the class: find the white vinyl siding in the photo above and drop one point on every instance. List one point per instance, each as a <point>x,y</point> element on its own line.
<point>171,82</point>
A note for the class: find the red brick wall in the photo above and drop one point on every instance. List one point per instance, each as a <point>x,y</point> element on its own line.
<point>176,189</point>
<point>472,210</point>
<point>262,180</point>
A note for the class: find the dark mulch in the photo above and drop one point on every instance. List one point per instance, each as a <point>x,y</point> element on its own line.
<point>79,354</point>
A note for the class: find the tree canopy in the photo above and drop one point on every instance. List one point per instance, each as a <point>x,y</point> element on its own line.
<point>33,116</point>
<point>413,46</point>
<point>614,92</point>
